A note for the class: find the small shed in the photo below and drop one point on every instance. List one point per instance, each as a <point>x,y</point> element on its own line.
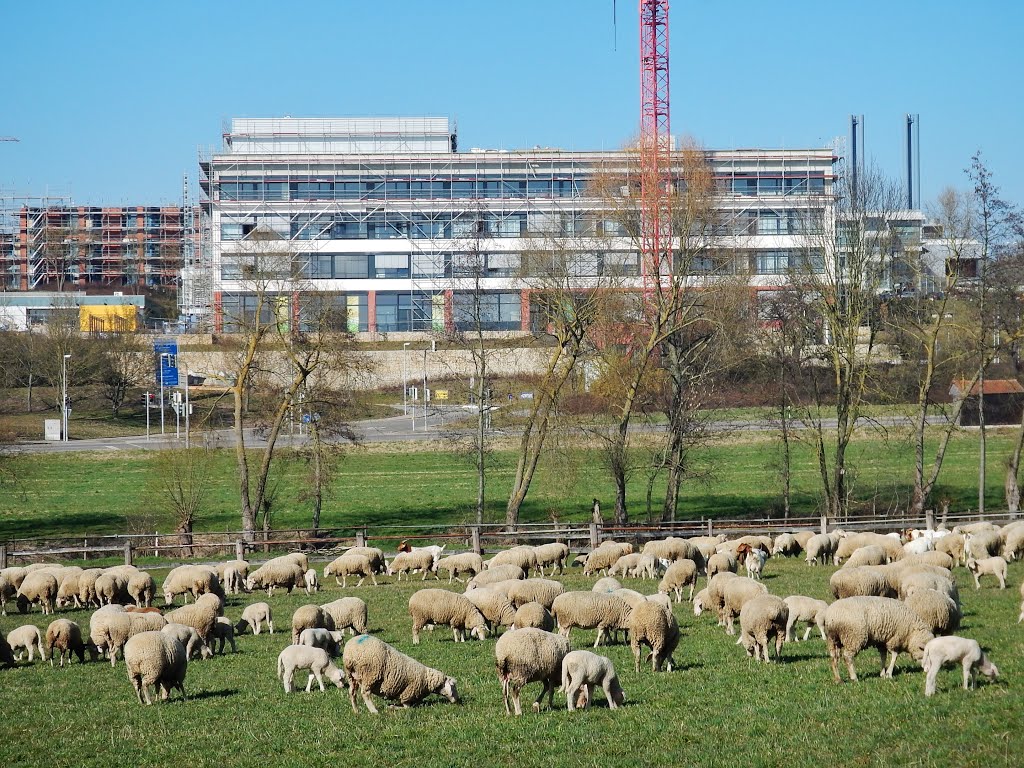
<point>1004,401</point>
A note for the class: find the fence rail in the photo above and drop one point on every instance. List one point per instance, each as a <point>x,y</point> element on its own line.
<point>480,538</point>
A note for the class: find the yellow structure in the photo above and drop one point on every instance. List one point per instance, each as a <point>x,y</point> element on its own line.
<point>105,318</point>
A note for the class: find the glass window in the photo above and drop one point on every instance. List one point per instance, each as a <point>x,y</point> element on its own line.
<point>495,311</point>
<point>462,189</point>
<point>503,264</point>
<point>507,226</point>
<point>744,186</point>
<point>769,186</point>
<point>403,312</point>
<point>428,264</point>
<point>769,223</point>
<point>230,230</point>
<point>351,265</point>
<point>771,262</point>
<point>397,189</point>
<point>622,264</point>
<point>391,265</point>
<point>538,188</point>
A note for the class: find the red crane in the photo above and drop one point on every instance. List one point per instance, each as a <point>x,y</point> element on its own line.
<point>655,149</point>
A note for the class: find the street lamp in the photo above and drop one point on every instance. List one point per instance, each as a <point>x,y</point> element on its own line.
<point>64,394</point>
<point>188,408</point>
<point>163,356</point>
<point>405,379</point>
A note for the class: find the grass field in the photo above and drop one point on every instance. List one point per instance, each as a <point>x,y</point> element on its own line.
<point>113,492</point>
<point>720,708</point>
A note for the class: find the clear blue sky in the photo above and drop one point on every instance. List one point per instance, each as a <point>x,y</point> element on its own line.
<point>110,100</point>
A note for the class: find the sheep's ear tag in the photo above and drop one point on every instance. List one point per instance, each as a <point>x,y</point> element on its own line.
<point>361,638</point>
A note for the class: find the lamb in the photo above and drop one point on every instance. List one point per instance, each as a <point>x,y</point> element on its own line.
<point>232,575</point>
<point>201,615</point>
<point>735,595</point>
<point>286,574</point>
<point>142,589</point>
<point>650,624</point>
<point>553,555</point>
<point>543,591</point>
<point>529,655</point>
<point>919,546</point>
<point>154,658</point>
<point>589,610</point>
<point>787,545</point>
<point>412,562</point>
<point>188,637</point>
<point>374,667</point>
<point>307,617</point>
<point>953,545</point>
<point>38,587</point>
<point>754,562</point>
<point>496,574</point>
<point>496,608</point>
<point>351,565</point>
<point>606,584</point>
<point>944,650</point>
<point>67,590</point>
<point>316,660</point>
<point>465,562</point>
<point>700,602</point>
<point>312,581</point>
<point>679,574</point>
<point>26,638</point>
<point>721,562</point>
<point>993,565</point>
<point>192,580</point>
<point>374,555</point>
<point>522,556</point>
<point>326,639</point>
<point>624,565</point>
<point>762,618</point>
<point>440,607</point>
<point>854,623</point>
<point>6,657</point>
<point>224,632</point>
<point>872,554</point>
<point>938,611</point>
<point>821,547</point>
<point>111,588</point>
<point>647,567</point>
<point>346,613</point>
<point>253,616</point>
<point>604,557</point>
<point>806,609</point>
<point>581,671</point>
<point>65,637</point>
<point>434,550</point>
<point>533,615</point>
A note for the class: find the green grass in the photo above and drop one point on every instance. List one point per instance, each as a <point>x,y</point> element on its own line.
<point>721,707</point>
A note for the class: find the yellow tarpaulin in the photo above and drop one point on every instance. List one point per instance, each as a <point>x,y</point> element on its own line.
<point>105,318</point>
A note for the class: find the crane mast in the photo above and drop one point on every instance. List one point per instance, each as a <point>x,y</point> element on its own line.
<point>655,149</point>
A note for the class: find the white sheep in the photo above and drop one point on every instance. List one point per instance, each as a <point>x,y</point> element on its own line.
<point>523,556</point>
<point>494,575</point>
<point>762,618</point>
<point>854,623</point>
<point>412,562</point>
<point>940,613</point>
<point>442,608</point>
<point>553,555</point>
<point>194,580</point>
<point>327,639</point>
<point>582,671</point>
<point>64,637</point>
<point>190,639</point>
<point>606,584</point>
<point>306,617</point>
<point>650,624</point>
<point>253,616</point>
<point>351,565</point>
<point>26,638</point>
<point>284,573</point>
<point>495,606</point>
<point>754,563</point>
<point>38,587</point>
<point>987,565</point>
<point>807,609</point>
<point>590,610</point>
<point>316,660</point>
<point>951,649</point>
<point>525,656</point>
<point>464,562</point>
<point>346,613</point>
<point>374,667</point>
<point>533,615</point>
<point>679,574</point>
<point>919,546</point>
<point>155,658</point>
<point>312,581</point>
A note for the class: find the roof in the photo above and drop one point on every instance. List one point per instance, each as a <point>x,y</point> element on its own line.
<point>992,387</point>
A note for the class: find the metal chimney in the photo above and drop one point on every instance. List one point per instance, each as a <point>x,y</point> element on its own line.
<point>857,144</point>
<point>913,159</point>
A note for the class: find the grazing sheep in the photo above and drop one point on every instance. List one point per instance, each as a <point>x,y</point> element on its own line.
<point>854,623</point>
<point>87,586</point>
<point>647,567</point>
<point>201,615</point>
<point>6,657</point>
<point>1013,540</point>
<point>142,589</point>
<point>286,574</point>
<point>864,580</point>
<point>983,544</point>
<point>543,591</point>
<point>495,606</point>
<point>157,659</point>
<point>412,562</point>
<point>624,564</point>
<point>551,555</point>
<point>806,609</point>
<point>188,637</point>
<point>821,547</point>
<point>650,624</point>
<point>892,546</point>
<point>938,611</point>
<point>606,584</point>
<point>754,563</point>
<point>496,574</point>
<point>232,575</point>
<point>312,581</point>
<point>326,639</point>
<point>762,618</point>
<point>672,549</point>
<point>464,562</point>
<point>351,565</point>
<point>680,574</point>
<point>192,580</point>
<point>918,546</point>
<point>67,590</point>
<point>434,550</point>
<point>663,600</point>
<point>939,559</point>
<point>346,613</point>
<point>374,555</point>
<point>374,667</point>
<point>523,556</point>
<point>700,602</point>
<point>110,629</point>
<point>786,545</point>
<point>581,671</point>
<point>292,557</point>
<point>533,615</point>
<point>706,545</point>
<point>604,557</point>
<point>307,617</point>
<point>112,588</point>
<point>589,610</point>
<point>10,580</point>
<point>316,660</point>
<point>952,649</point>
<point>253,616</point>
<point>38,587</point>
<point>716,594</point>
<point>721,562</point>
<point>26,638</point>
<point>872,554</point>
<point>735,595</point>
<point>953,545</point>
<point>440,607</point>
<point>64,637</point>
<point>224,632</point>
<point>993,565</point>
<point>525,656</point>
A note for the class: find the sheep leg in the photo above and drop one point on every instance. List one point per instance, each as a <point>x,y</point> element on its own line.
<point>1002,580</point>
<point>636,657</point>
<point>289,675</point>
<point>893,655</point>
<point>570,693</point>
<point>547,689</point>
<point>977,582</point>
<point>368,701</point>
<point>415,634</point>
<point>505,694</point>
<point>929,681</point>
<point>968,674</point>
<point>607,687</point>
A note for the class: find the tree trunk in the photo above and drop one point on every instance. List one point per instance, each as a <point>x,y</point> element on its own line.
<point>981,446</point>
<point>786,460</point>
<point>248,513</point>
<point>30,392</point>
<point>481,421</point>
<point>185,537</point>
<point>318,479</point>
<point>1012,485</point>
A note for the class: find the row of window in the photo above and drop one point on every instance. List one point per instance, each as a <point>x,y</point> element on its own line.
<point>773,222</point>
<point>778,185</point>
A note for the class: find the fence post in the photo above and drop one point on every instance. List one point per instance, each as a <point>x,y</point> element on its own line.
<point>85,549</point>
<point>361,537</point>
<point>710,527</point>
<point>477,546</point>
<point>595,538</point>
<point>239,550</point>
<point>929,519</point>
<point>128,553</point>
<point>824,523</point>
<point>3,556</point>
<point>156,543</point>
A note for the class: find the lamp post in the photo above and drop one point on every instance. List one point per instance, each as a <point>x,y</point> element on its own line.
<point>64,394</point>
<point>163,356</point>
<point>425,389</point>
<point>405,378</point>
<point>188,408</point>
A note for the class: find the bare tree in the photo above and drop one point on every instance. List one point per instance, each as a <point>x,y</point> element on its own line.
<point>125,361</point>
<point>183,481</point>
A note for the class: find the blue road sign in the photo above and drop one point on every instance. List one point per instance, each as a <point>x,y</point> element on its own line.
<point>166,353</point>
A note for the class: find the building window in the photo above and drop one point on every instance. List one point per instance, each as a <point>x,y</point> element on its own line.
<point>494,311</point>
<point>397,312</point>
<point>387,265</point>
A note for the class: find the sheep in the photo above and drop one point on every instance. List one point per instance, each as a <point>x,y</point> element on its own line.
<point>589,610</point>
<point>346,613</point>
<point>716,594</point>
<point>224,632</point>
<point>847,545</point>
<point>65,637</point>
<point>374,667</point>
<point>201,615</point>
<point>553,555</point>
<point>154,658</point>
<point>373,554</point>
<point>525,656</point>
<point>983,544</point>
<point>1021,617</point>
<point>306,617</point>
<point>872,554</point>
<point>533,615</point>
<point>581,671</point>
<point>806,609</point>
<point>351,565</point>
<point>736,593</point>
<point>543,591</point>
<point>700,602</point>
<point>854,623</point>
<point>87,586</point>
<point>440,607</point>
<point>111,588</point>
<point>1013,540</point>
<point>232,575</point>
<point>465,562</point>
<point>277,573</point>
<point>580,560</point>
<point>940,559</point>
<point>993,565</point>
<point>496,574</point>
<point>861,580</point>
<point>6,656</point>
<point>679,574</point>
<point>663,600</point>
<point>188,637</point>
<point>316,660</point>
<point>412,562</point>
<point>434,550</point>
<point>953,545</point>
<point>26,638</point>
<point>943,650</point>
<point>606,584</point>
<point>647,567</point>
<point>142,589</point>
<point>67,590</point>
<point>672,549</point>
<point>192,580</point>
<point>786,545</point>
<point>624,565</point>
<point>911,582</point>
<point>496,608</point>
<point>721,562</point>
<point>754,562</point>
<point>821,547</point>
<point>918,546</point>
<point>10,580</point>
<point>762,618</point>
<point>522,556</point>
<point>326,639</point>
<point>938,611</point>
<point>706,545</point>
<point>253,616</point>
<point>312,581</point>
<point>38,587</point>
<point>650,624</point>
<point>604,557</point>
<point>298,558</point>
